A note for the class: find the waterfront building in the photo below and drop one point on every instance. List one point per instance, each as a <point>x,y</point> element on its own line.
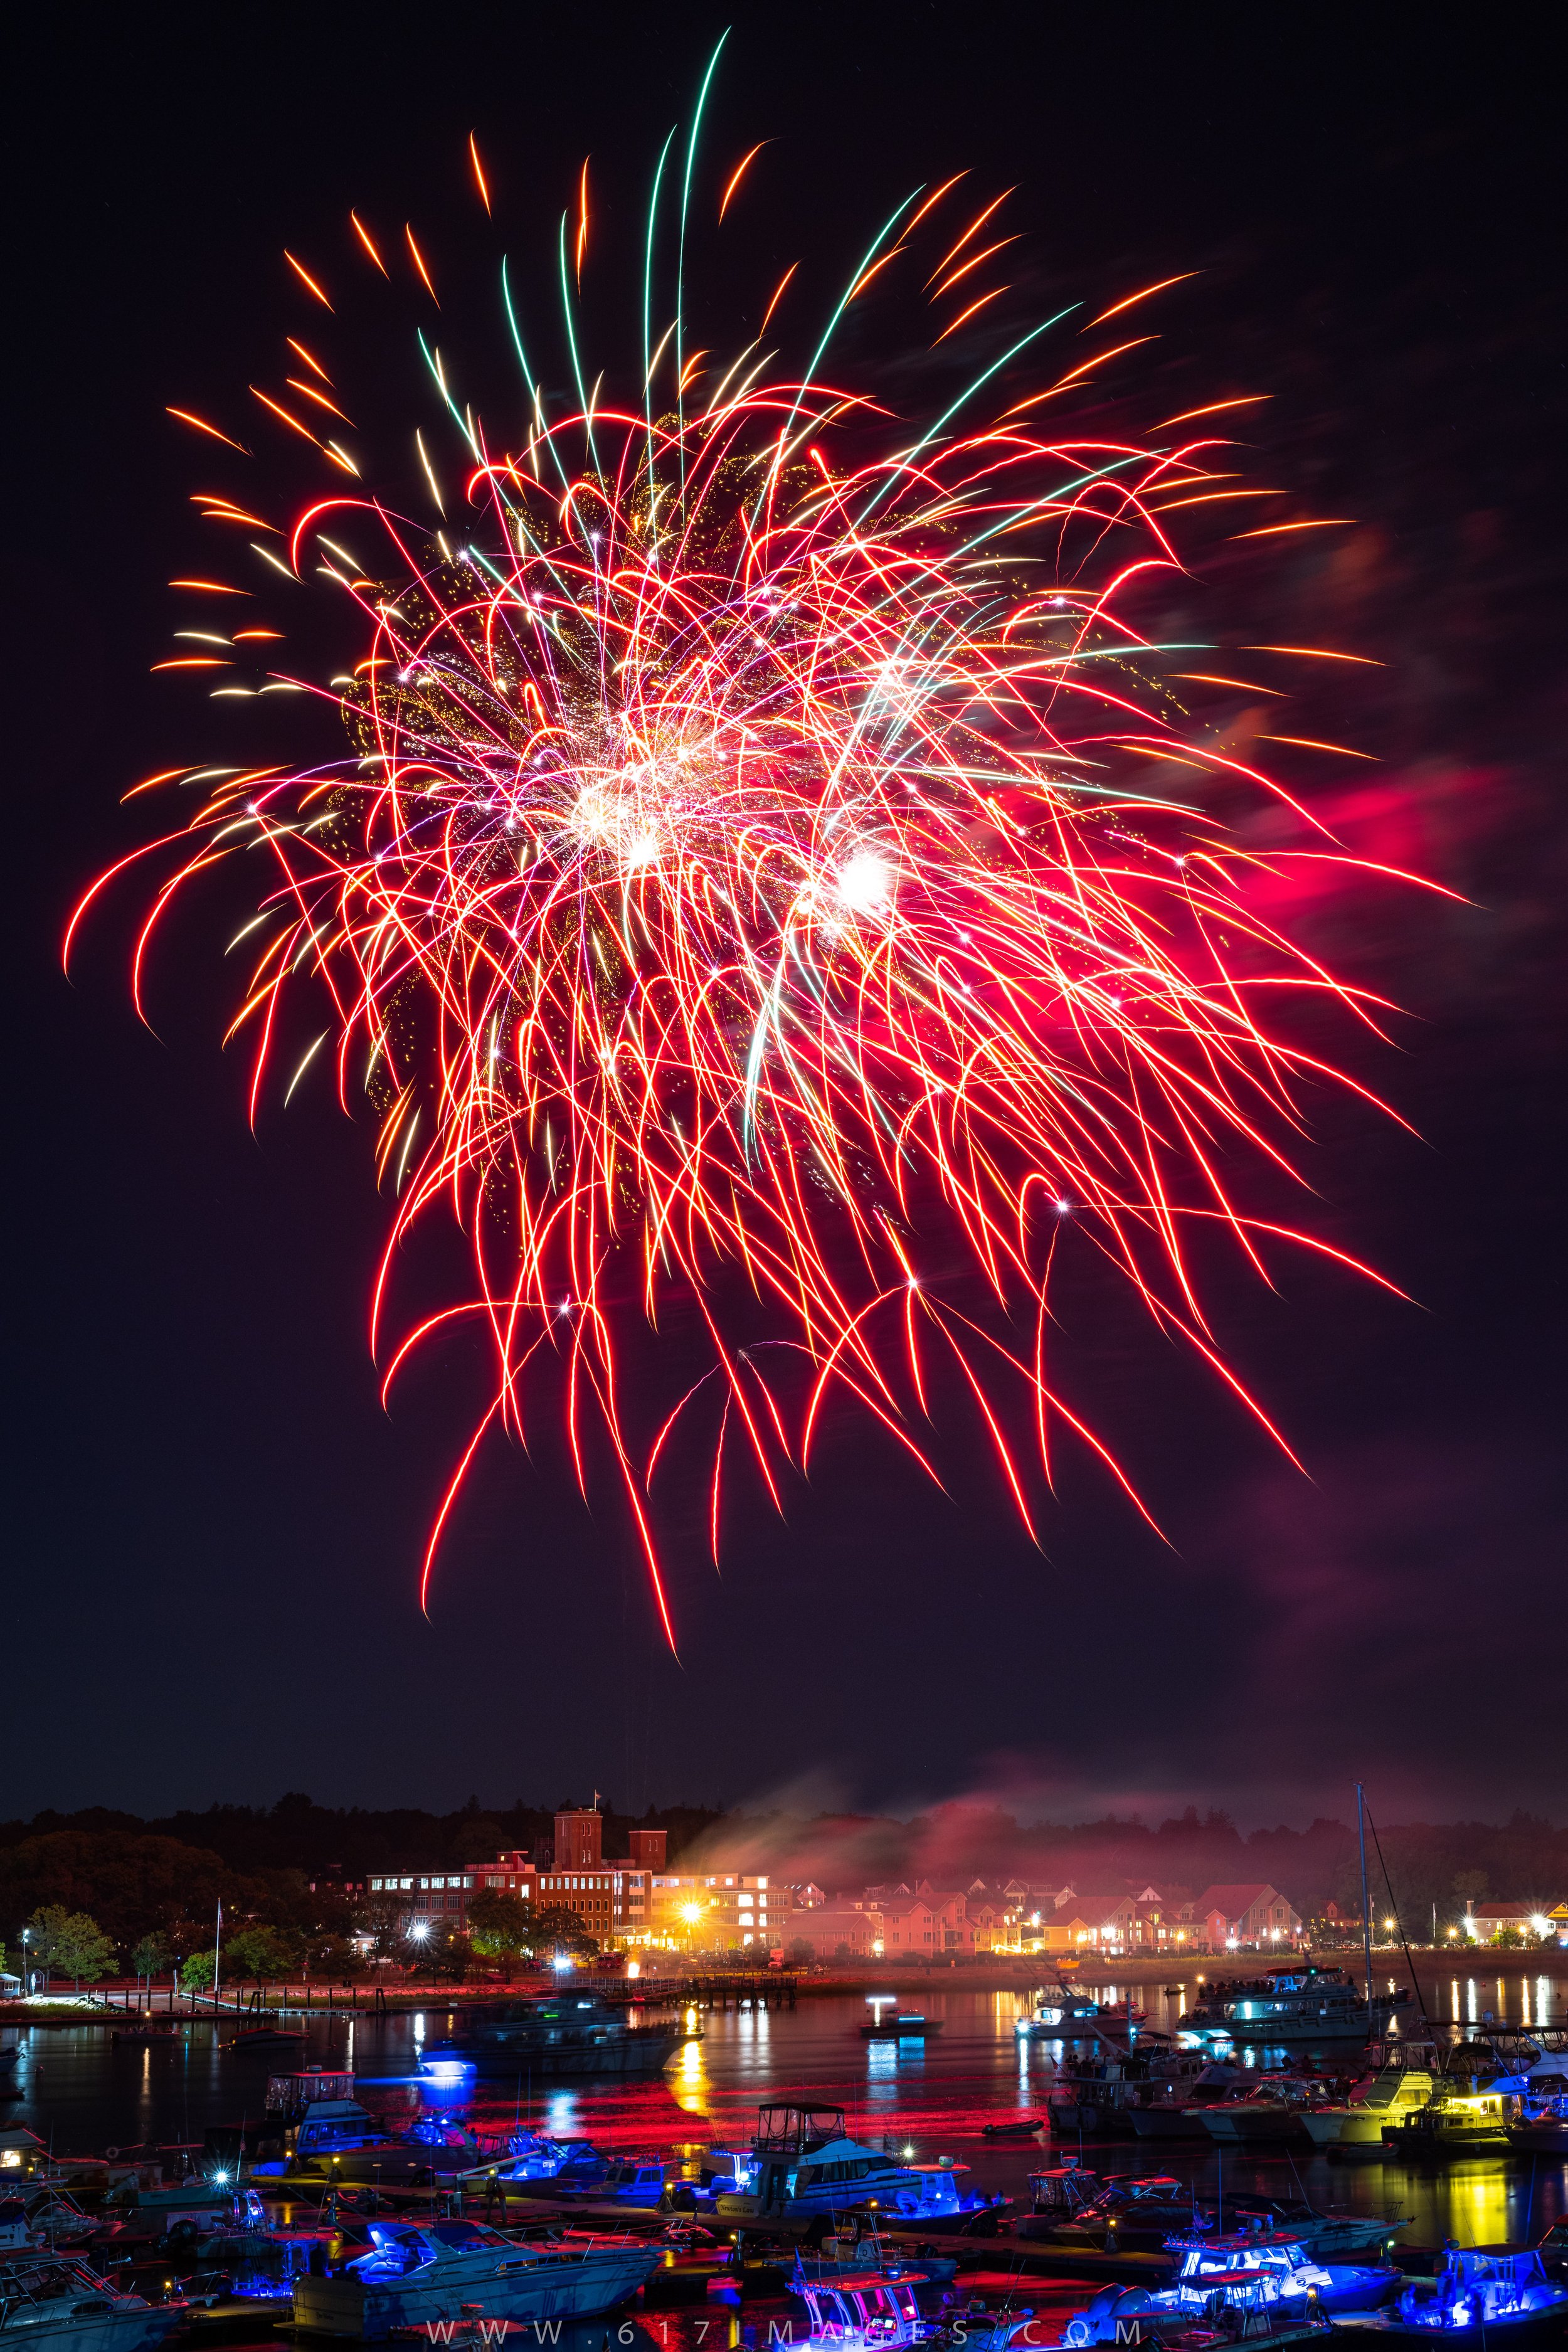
<point>1484,1920</point>
<point>717,1911</point>
<point>1227,1919</point>
<point>835,1930</point>
<point>611,1898</point>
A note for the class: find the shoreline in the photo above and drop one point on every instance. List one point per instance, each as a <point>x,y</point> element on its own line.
<point>984,1973</point>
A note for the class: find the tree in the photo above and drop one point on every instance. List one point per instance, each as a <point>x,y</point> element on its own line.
<point>258,1951</point>
<point>70,1941</point>
<point>1469,1884</point>
<point>129,1884</point>
<point>151,1956</point>
<point>555,1927</point>
<point>501,1927</point>
<point>443,1954</point>
<point>197,1973</point>
<point>479,1837</point>
<point>384,1919</point>
<point>801,1954</point>
<point>333,1958</point>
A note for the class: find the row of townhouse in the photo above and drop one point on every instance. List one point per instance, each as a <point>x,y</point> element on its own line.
<point>926,1922</point>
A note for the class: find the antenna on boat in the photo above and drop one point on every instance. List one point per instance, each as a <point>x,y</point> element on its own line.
<point>1365,1899</point>
<point>1399,1924</point>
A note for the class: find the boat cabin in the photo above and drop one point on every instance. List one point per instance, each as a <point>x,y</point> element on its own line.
<point>289,2096</point>
<point>396,2248</point>
<point>1204,2262</point>
<point>1476,2286</point>
<point>864,2313</point>
<point>1064,2190</point>
<point>327,2126</point>
<point>936,2195</point>
<point>22,2151</point>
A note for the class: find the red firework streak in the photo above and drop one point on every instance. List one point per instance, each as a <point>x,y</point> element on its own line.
<point>743,885</point>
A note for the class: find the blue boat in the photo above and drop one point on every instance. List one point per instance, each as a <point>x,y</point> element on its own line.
<point>1280,2257</point>
<point>1480,2294</point>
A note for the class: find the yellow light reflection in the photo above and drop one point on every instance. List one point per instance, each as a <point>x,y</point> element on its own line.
<point>688,2081</point>
<point>1477,2205</point>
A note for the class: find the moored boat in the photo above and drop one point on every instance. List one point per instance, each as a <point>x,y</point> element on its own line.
<point>1176,2109</point>
<point>1077,2210</point>
<point>1492,2295</point>
<point>1329,2235</point>
<point>1101,2095</point>
<point>1063,2015</point>
<point>1404,2082</point>
<point>1538,2122</point>
<point>55,2300</point>
<point>1296,2001</point>
<point>864,2310</point>
<point>423,2276</point>
<point>803,2162</point>
<point>263,2038</point>
<point>557,2038</point>
<point>1269,2114</point>
<point>1283,2257</point>
<point>1465,2115</point>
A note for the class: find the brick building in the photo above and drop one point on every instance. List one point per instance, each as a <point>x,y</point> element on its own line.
<point>611,1898</point>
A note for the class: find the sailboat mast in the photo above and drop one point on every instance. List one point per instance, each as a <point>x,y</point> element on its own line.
<point>1366,1902</point>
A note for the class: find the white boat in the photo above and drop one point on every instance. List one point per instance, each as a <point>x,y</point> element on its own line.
<point>803,2162</point>
<point>48,2300</point>
<point>607,2181</point>
<point>829,2179</point>
<point>1539,2123</point>
<point>1406,2082</point>
<point>1295,2001</point>
<point>416,2274</point>
<point>1282,2257</point>
<point>1271,2113</point>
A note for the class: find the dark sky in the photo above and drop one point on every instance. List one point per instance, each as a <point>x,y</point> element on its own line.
<point>213,1531</point>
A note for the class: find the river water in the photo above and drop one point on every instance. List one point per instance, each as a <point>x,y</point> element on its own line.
<point>76,2089</point>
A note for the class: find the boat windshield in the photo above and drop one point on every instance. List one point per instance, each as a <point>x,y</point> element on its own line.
<point>393,2252</point>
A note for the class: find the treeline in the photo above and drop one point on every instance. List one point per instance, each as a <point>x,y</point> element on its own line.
<point>283,1873</point>
<point>288,1868</point>
<point>350,1842</point>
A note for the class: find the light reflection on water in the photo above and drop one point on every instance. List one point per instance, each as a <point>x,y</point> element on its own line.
<point>74,2088</point>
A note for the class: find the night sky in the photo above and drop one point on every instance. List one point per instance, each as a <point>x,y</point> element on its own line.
<point>213,1531</point>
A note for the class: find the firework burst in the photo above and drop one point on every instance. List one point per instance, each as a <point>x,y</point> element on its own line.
<point>742,887</point>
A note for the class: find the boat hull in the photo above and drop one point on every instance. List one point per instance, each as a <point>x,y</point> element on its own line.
<point>1169,2123</point>
<point>1093,2119</point>
<point>1238,2126</point>
<point>570,2285</point>
<point>1345,2127</point>
<point>1527,2327</point>
<point>113,2331</point>
<point>1445,2147</point>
